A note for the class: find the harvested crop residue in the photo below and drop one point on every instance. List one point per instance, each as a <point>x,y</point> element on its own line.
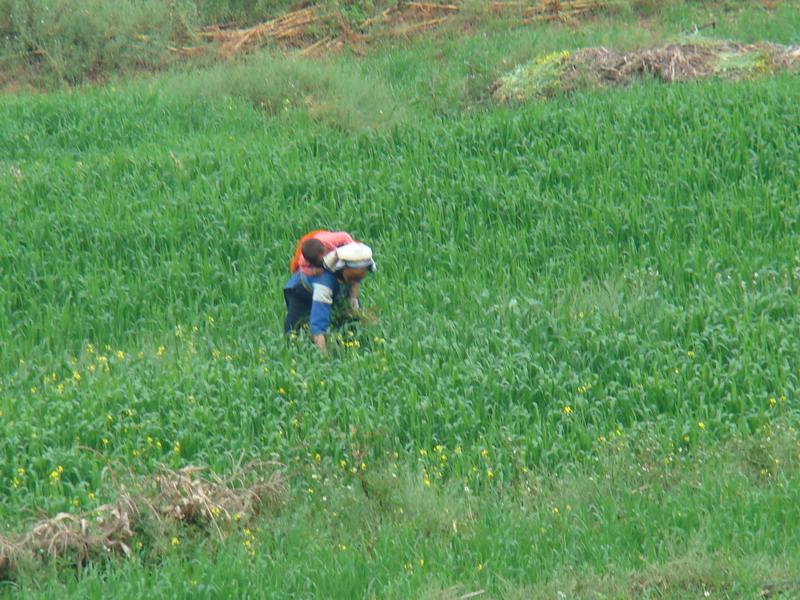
<point>319,29</point>
<point>560,72</point>
<point>146,512</point>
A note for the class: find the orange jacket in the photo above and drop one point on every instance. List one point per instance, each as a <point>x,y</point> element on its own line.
<point>330,239</point>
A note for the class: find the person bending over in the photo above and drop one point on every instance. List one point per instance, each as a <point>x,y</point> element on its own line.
<point>311,297</point>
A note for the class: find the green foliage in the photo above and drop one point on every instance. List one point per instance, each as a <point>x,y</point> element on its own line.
<point>540,78</point>
<point>335,94</point>
<point>242,11</point>
<point>69,42</point>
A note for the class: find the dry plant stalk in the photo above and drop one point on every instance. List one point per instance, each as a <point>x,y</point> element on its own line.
<point>288,26</point>
<point>554,10</point>
<point>423,25</point>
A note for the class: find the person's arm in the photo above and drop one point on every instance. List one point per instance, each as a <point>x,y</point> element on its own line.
<point>319,340</point>
<point>320,318</point>
<point>354,301</point>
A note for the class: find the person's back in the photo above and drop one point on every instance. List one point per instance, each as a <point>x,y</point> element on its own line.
<point>313,246</point>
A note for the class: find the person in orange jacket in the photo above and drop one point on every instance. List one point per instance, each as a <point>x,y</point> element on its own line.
<point>311,297</point>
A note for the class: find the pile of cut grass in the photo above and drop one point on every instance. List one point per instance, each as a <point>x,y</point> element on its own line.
<point>560,72</point>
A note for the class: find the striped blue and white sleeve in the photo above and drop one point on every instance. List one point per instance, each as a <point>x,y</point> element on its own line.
<point>321,303</point>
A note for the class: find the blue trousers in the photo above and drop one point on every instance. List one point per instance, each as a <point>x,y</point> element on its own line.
<point>298,308</point>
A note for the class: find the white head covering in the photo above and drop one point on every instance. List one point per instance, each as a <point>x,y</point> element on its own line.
<point>354,255</point>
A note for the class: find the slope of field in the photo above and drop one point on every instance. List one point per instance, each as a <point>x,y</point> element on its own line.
<point>583,379</point>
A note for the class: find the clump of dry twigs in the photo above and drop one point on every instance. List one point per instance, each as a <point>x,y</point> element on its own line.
<point>291,28</point>
<point>315,30</point>
<point>190,495</point>
<point>700,58</point>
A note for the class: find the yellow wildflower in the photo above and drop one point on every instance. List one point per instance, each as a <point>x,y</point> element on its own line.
<point>55,474</point>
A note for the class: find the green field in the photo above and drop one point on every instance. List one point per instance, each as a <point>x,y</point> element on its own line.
<point>583,381</point>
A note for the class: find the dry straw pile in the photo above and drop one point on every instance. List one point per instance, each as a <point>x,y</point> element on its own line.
<point>163,500</point>
<point>564,71</point>
<point>316,29</point>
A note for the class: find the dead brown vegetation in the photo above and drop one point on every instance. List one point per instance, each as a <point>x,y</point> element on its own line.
<point>315,30</point>
<point>165,500</point>
<point>553,10</point>
<point>682,62</point>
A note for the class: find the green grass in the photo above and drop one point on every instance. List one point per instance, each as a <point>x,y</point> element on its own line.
<point>568,293</point>
<point>584,378</point>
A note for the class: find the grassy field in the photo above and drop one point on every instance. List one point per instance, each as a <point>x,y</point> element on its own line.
<point>584,378</point>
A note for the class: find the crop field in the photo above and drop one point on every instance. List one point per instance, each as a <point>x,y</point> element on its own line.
<point>582,381</point>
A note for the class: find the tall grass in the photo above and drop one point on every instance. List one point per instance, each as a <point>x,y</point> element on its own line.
<point>612,273</point>
<point>56,42</point>
<point>333,93</point>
